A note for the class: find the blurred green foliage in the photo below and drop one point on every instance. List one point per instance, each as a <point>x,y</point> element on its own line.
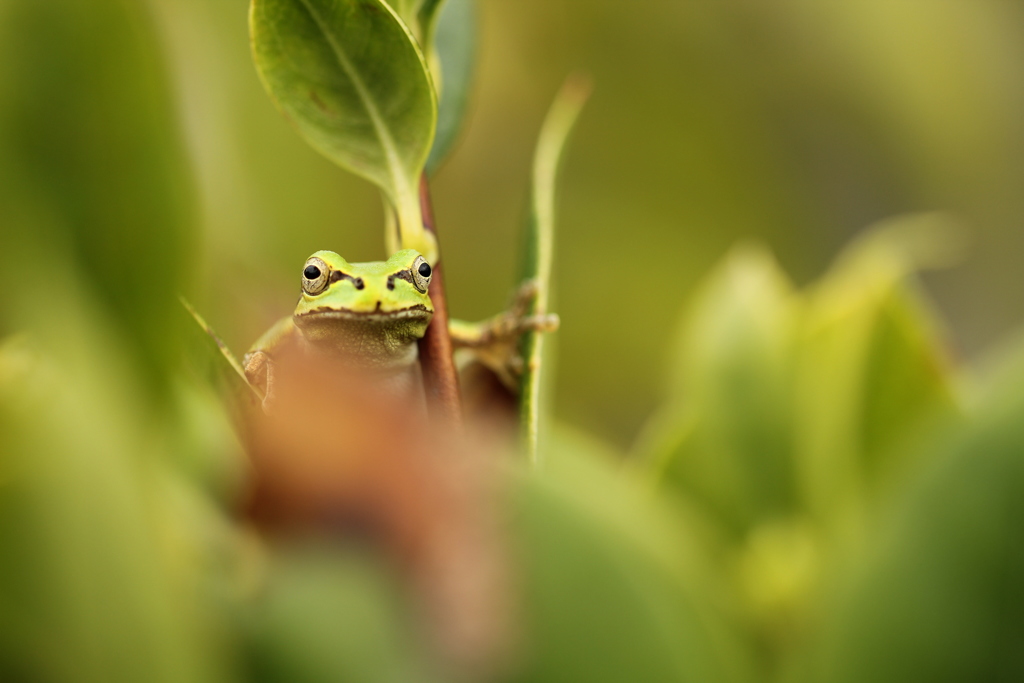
<point>795,124</point>
<point>828,490</point>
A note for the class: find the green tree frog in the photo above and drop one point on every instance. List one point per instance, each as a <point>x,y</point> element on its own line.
<point>373,314</point>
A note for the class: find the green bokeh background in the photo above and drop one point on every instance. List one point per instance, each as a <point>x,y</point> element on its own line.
<point>797,124</point>
<point>823,493</point>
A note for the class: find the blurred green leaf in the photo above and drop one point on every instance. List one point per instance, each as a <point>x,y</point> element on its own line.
<point>874,372</point>
<point>453,68</point>
<point>419,16</point>
<point>612,590</point>
<point>101,568</point>
<point>211,359</point>
<point>789,402</point>
<point>352,80</point>
<point>539,252</point>
<point>428,17</point>
<point>407,11</point>
<point>213,401</point>
<point>92,171</point>
<point>792,415</point>
<point>940,595</point>
<point>726,437</point>
<point>331,616</point>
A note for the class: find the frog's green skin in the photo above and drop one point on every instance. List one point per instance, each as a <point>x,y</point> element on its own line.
<point>374,314</point>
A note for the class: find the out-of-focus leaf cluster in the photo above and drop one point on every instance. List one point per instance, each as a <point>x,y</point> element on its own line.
<point>802,433</point>
<point>826,494</point>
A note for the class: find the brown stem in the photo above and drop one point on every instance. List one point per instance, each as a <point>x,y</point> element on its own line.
<point>439,376</point>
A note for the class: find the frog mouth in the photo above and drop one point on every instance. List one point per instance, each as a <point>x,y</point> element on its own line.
<point>324,312</point>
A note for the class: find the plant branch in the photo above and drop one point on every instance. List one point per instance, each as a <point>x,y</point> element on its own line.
<point>440,380</point>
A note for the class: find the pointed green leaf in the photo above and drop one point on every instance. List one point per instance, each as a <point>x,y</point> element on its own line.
<point>350,77</point>
<point>874,368</point>
<point>212,358</point>
<point>790,402</point>
<point>540,245</point>
<point>726,436</point>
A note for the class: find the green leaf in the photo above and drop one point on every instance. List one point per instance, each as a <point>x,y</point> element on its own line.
<point>350,77</point>
<point>789,402</point>
<point>875,373</point>
<point>452,65</point>
<point>427,17</point>
<point>939,594</point>
<point>792,414</point>
<point>407,11</point>
<point>98,183</point>
<point>216,362</point>
<point>330,615</point>
<point>98,551</point>
<point>419,16</point>
<point>725,438</point>
<point>540,238</point>
<point>611,590</point>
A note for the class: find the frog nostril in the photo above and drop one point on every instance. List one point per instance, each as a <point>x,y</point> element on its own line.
<point>337,276</point>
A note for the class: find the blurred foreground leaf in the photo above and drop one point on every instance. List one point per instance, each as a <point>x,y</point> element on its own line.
<point>875,373</point>
<point>102,564</point>
<point>611,592</point>
<point>352,80</point>
<point>108,548</point>
<point>726,438</point>
<point>940,596</point>
<point>785,401</point>
<point>793,415</point>
<point>211,359</point>
<point>331,616</point>
<point>92,172</point>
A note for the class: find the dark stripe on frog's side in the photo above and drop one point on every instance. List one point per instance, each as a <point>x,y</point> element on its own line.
<point>401,275</point>
<point>338,275</point>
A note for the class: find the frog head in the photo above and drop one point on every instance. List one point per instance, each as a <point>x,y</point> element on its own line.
<point>361,306</point>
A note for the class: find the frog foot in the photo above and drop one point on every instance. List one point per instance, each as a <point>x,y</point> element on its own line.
<point>259,371</point>
<point>495,342</point>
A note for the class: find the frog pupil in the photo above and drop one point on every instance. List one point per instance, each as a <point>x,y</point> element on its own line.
<point>424,269</point>
<point>311,272</point>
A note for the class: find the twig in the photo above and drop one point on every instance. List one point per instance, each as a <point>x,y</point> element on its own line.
<point>440,379</point>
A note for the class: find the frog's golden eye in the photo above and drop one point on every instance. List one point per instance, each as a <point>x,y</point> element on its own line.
<point>421,273</point>
<point>315,276</point>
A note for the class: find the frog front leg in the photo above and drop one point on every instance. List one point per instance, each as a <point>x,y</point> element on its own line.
<point>258,362</point>
<point>495,342</point>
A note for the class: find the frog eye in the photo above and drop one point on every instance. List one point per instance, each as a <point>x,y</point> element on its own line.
<point>421,272</point>
<point>315,276</point>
